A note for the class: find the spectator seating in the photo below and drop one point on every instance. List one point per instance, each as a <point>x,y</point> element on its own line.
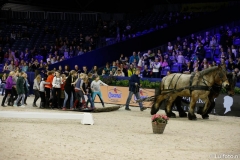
<point>175,68</point>
<point>164,71</point>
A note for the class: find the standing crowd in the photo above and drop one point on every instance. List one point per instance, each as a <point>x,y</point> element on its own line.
<point>72,91</point>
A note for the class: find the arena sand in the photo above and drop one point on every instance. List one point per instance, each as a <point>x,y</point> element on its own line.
<point>118,135</point>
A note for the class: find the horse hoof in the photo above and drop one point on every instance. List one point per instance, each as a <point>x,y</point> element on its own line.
<point>182,114</point>
<point>192,117</point>
<point>171,115</point>
<point>205,116</point>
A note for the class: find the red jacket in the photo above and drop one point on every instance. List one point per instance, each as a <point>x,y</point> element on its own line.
<point>49,79</point>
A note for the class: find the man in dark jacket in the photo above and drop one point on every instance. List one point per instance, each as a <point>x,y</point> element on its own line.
<point>134,84</point>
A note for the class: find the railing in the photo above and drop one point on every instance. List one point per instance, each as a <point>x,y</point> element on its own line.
<point>39,15</point>
<point>20,15</point>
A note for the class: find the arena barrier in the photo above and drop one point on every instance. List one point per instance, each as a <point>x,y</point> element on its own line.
<point>85,118</point>
<point>225,105</point>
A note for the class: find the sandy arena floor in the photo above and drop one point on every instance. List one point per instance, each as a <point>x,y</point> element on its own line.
<point>118,135</point>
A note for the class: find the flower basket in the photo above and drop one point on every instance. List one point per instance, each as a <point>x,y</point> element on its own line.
<point>158,128</point>
<point>159,123</point>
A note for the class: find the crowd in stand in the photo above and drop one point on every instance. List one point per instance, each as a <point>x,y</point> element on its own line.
<point>70,46</point>
<point>188,54</point>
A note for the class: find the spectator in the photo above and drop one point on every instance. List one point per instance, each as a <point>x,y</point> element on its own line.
<point>230,54</point>
<point>122,58</point>
<point>131,70</point>
<point>8,89</point>
<point>170,48</point>
<point>107,69</point>
<point>188,68</point>
<point>134,56</point>
<point>213,45</point>
<point>36,88</point>
<point>119,73</point>
<point>69,89</point>
<point>20,90</point>
<point>164,63</point>
<point>155,68</point>
<point>204,63</point>
<point>11,66</point>
<point>113,68</point>
<point>24,67</point>
<point>3,82</point>
<point>200,52</point>
<point>85,70</point>
<point>146,72</point>
<point>76,68</point>
<point>95,86</point>
<point>66,70</point>
<point>5,68</point>
<point>140,64</point>
<point>48,87</point>
<point>237,73</point>
<point>231,64</point>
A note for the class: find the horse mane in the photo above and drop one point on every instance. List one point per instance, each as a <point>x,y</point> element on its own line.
<point>208,70</point>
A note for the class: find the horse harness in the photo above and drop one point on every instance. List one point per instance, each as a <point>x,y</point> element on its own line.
<point>215,87</point>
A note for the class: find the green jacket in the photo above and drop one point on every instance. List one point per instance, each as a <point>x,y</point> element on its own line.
<point>20,85</point>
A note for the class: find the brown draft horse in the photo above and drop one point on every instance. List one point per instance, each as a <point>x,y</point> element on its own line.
<point>214,93</point>
<point>196,85</point>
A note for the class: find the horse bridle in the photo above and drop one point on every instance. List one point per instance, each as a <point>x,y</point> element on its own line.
<point>221,77</point>
<point>220,74</point>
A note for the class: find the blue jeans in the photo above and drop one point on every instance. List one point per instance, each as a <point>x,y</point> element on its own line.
<point>20,97</point>
<point>3,87</point>
<point>99,95</point>
<point>130,97</point>
<point>90,100</point>
<point>66,98</point>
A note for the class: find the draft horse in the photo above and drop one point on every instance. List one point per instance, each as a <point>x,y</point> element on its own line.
<point>214,93</point>
<point>196,85</point>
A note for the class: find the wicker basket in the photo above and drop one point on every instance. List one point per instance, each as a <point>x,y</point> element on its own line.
<point>158,128</point>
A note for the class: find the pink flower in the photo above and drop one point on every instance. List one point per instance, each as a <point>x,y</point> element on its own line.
<point>157,118</point>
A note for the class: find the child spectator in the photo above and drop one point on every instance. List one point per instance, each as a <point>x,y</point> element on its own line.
<point>48,87</point>
<point>56,90</point>
<point>79,92</point>
<point>62,89</point>
<point>36,89</point>
<point>20,90</point>
<point>42,93</point>
<point>165,63</point>
<point>8,88</point>
<point>95,86</point>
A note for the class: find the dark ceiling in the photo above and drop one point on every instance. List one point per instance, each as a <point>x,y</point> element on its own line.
<point>103,5</point>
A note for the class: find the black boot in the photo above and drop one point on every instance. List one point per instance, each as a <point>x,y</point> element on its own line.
<point>34,104</point>
<point>46,105</point>
<point>42,105</point>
